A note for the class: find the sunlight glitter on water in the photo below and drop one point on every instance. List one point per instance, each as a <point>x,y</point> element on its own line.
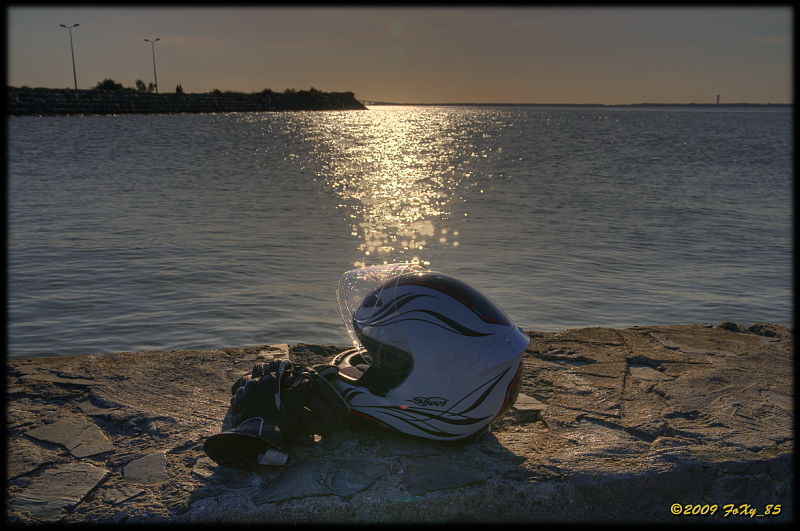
<point>410,171</point>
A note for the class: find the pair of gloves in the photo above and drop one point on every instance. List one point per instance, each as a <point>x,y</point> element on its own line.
<point>274,407</point>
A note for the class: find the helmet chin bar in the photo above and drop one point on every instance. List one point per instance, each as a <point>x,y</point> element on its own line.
<point>351,364</point>
<point>387,366</point>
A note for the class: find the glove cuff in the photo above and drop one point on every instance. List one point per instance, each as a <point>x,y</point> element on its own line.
<point>255,442</point>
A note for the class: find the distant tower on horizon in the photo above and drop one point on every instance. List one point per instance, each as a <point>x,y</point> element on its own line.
<point>717,99</point>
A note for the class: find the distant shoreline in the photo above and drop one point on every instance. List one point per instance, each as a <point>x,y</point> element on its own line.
<point>709,105</point>
<point>26,101</point>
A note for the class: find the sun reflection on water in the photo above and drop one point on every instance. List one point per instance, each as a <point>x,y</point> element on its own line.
<point>399,175</point>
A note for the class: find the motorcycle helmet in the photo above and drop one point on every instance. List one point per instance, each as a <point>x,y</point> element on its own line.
<point>433,357</point>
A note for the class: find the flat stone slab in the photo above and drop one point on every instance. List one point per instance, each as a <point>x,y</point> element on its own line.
<point>629,425</point>
<point>57,491</point>
<point>340,477</point>
<point>54,378</point>
<point>428,474</point>
<point>79,435</point>
<point>152,468</point>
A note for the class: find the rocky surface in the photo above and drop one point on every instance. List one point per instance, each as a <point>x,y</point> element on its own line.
<point>629,425</point>
<point>48,102</point>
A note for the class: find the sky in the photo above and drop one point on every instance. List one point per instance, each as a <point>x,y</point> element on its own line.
<point>590,55</point>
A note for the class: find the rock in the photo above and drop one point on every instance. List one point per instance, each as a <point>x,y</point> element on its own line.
<point>733,327</point>
<point>770,330</point>
<point>428,474</point>
<point>152,468</point>
<point>337,477</point>
<point>79,435</point>
<point>57,491</point>
<point>612,426</point>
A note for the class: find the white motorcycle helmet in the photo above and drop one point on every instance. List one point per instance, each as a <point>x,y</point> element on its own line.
<point>433,356</point>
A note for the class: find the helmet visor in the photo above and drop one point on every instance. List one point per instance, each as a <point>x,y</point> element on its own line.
<point>358,292</point>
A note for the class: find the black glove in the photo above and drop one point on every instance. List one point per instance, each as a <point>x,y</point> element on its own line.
<point>252,443</point>
<point>300,400</point>
<point>258,393</point>
<point>275,406</point>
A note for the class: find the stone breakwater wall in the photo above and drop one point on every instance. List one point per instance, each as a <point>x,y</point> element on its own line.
<point>57,102</point>
<point>680,424</point>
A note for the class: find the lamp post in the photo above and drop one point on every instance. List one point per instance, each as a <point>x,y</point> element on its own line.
<point>153,46</point>
<point>74,73</point>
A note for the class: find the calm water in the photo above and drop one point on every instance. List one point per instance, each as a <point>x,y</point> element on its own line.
<point>231,230</point>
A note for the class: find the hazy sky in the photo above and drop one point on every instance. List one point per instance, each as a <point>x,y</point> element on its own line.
<point>606,55</point>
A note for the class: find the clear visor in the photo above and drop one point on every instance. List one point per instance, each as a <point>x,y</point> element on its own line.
<point>357,285</point>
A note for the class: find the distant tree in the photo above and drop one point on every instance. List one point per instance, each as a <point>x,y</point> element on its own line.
<point>151,87</point>
<point>108,84</point>
<point>140,86</point>
<point>238,96</point>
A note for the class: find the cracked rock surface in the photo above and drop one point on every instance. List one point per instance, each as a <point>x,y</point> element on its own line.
<point>613,425</point>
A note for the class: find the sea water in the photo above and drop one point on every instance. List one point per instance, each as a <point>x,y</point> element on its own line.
<point>139,232</point>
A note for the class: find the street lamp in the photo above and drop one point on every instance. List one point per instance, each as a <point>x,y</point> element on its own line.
<point>153,46</point>
<point>74,73</point>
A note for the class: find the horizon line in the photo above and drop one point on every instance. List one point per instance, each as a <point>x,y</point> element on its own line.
<point>379,102</point>
<point>712,104</point>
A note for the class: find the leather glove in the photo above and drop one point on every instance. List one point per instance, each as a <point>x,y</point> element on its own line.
<point>292,403</point>
<point>255,442</point>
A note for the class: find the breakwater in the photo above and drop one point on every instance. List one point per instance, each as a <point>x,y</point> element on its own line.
<point>679,424</point>
<point>59,102</point>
